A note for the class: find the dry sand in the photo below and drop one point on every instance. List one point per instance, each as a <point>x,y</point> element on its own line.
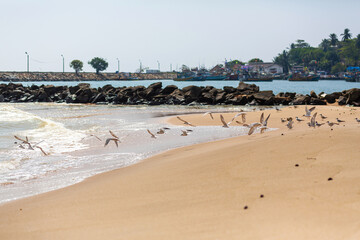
<point>200,191</point>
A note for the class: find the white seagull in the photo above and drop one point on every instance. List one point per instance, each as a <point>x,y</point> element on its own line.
<point>308,112</point>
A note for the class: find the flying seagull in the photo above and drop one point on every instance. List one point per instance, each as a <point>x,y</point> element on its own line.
<point>25,141</point>
<point>312,121</point>
<point>114,138</point>
<point>264,122</point>
<point>185,122</point>
<point>225,125</point>
<point>308,112</point>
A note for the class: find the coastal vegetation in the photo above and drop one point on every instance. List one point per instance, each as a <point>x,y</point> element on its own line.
<point>77,65</point>
<point>99,64</point>
<point>332,55</point>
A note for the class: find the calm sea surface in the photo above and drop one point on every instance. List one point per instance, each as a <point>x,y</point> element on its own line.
<point>276,85</point>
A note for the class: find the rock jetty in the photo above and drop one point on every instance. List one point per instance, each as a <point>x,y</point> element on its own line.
<point>83,76</point>
<point>155,94</point>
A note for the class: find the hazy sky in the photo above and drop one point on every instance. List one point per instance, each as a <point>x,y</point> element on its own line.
<point>190,32</point>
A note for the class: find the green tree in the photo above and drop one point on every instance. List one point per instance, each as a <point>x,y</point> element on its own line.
<point>283,60</point>
<point>256,60</point>
<point>77,65</point>
<point>325,45</point>
<point>357,44</point>
<point>339,67</point>
<point>346,35</point>
<point>333,40</point>
<point>349,53</point>
<point>99,64</point>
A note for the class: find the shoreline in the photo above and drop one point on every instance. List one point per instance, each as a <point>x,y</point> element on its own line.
<point>200,191</point>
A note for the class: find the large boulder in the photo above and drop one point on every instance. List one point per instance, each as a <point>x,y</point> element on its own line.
<point>264,97</point>
<point>153,90</point>
<point>353,96</point>
<point>191,93</point>
<point>169,89</point>
<point>242,87</point>
<point>301,100</point>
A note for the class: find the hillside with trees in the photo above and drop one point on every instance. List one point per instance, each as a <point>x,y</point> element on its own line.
<point>333,55</point>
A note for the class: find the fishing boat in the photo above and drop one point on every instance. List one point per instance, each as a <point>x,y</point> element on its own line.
<point>214,77</point>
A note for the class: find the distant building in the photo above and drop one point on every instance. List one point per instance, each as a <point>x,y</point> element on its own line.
<point>152,71</point>
<point>295,69</point>
<point>269,68</point>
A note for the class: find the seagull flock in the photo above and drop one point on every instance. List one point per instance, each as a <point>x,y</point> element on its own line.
<point>261,125</point>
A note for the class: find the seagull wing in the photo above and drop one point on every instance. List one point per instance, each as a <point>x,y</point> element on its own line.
<point>152,135</point>
<point>181,119</point>
<point>109,139</point>
<point>20,139</point>
<point>223,121</point>
<point>112,134</point>
<point>265,122</point>
<point>262,118</point>
<point>42,150</point>
<point>311,109</point>
<point>252,129</point>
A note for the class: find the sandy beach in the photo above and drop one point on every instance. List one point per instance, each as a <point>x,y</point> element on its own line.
<point>302,183</point>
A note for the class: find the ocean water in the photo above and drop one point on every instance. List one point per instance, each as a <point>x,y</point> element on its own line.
<point>66,132</point>
<point>277,86</point>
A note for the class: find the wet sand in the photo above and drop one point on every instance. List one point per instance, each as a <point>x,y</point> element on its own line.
<point>302,183</point>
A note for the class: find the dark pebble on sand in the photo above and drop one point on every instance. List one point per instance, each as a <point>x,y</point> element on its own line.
<point>296,165</point>
<point>261,196</point>
<point>332,129</point>
<point>246,207</point>
<point>20,209</point>
<point>330,179</point>
<point>282,134</point>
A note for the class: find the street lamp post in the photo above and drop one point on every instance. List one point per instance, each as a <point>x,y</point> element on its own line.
<point>158,65</point>
<point>63,63</point>
<point>27,61</point>
<point>118,65</point>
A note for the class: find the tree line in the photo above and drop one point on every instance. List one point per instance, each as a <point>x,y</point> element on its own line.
<point>332,55</point>
<point>99,64</point>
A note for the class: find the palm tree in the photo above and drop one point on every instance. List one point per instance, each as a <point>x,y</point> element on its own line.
<point>325,44</point>
<point>346,35</point>
<point>333,40</point>
<point>283,60</point>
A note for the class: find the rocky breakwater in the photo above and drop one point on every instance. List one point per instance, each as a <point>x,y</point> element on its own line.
<point>155,94</point>
<point>59,76</point>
